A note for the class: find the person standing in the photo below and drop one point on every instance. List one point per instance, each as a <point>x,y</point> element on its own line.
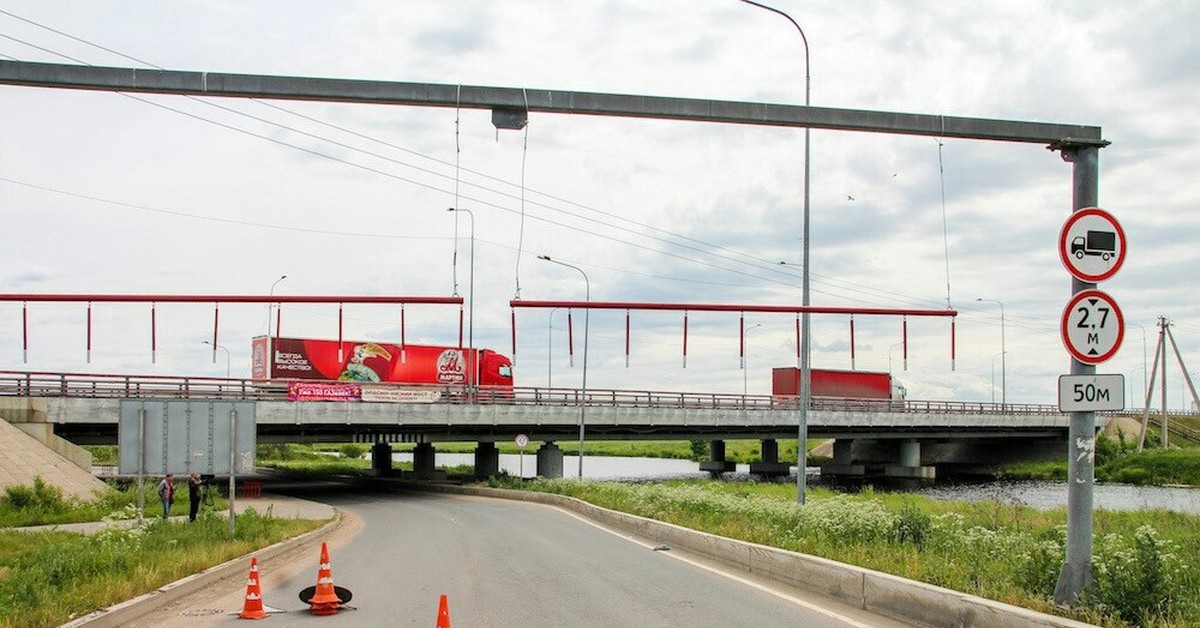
<point>194,484</point>
<point>166,492</point>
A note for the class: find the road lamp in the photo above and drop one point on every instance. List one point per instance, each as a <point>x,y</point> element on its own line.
<point>805,323</point>
<point>746,361</point>
<point>271,338</point>
<point>471,379</point>
<point>1003,357</point>
<point>998,355</point>
<point>222,348</point>
<point>1145,364</point>
<point>583,391</point>
<point>898,344</point>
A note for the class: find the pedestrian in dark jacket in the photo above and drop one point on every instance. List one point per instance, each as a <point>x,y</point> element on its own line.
<point>194,485</point>
<point>166,492</point>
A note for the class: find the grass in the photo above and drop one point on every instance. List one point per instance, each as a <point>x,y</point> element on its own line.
<point>1118,462</point>
<point>43,504</point>
<point>49,578</point>
<point>1147,564</point>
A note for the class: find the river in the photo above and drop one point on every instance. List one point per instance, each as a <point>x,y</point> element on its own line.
<point>1037,494</point>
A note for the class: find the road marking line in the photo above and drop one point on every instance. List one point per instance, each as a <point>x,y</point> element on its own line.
<point>779,594</point>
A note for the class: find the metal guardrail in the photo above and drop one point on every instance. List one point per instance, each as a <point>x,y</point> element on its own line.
<point>87,385</point>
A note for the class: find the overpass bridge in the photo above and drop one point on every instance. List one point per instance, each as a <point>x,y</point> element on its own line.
<point>906,438</point>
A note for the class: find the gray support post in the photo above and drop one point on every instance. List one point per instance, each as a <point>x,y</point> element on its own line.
<point>381,459</point>
<point>232,469</point>
<point>769,464</point>
<point>910,453</point>
<point>716,463</point>
<point>549,461</point>
<point>1076,574</point>
<point>487,460</point>
<point>843,451</point>
<point>423,461</point>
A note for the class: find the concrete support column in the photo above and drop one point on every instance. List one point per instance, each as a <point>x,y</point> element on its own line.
<point>843,460</point>
<point>843,450</point>
<point>381,459</point>
<point>487,460</point>
<point>716,464</point>
<point>423,461</point>
<point>910,463</point>
<point>769,465</point>
<point>549,461</point>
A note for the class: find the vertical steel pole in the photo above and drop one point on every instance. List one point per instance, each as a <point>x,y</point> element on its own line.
<point>141,482</point>
<point>1076,574</point>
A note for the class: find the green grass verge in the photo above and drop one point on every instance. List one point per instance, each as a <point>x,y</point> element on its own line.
<point>48,578</point>
<point>1147,563</point>
<point>43,504</point>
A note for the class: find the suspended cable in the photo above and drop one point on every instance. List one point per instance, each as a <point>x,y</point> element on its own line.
<point>521,230</point>
<point>457,153</point>
<point>945,228</point>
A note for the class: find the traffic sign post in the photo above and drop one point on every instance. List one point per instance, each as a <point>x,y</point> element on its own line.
<point>1092,245</point>
<point>1092,327</point>
<point>522,441</point>
<point>1091,393</point>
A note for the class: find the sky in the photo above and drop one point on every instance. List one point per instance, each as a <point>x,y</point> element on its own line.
<point>111,193</point>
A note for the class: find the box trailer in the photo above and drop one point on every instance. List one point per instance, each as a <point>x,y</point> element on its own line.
<point>367,361</point>
<point>785,381</point>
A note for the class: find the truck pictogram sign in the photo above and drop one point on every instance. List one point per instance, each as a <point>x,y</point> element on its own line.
<point>1092,245</point>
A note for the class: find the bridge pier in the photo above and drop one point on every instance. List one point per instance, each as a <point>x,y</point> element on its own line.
<point>487,460</point>
<point>716,463</point>
<point>549,461</point>
<point>769,464</point>
<point>381,459</point>
<point>424,467</point>
<point>910,463</point>
<point>843,460</point>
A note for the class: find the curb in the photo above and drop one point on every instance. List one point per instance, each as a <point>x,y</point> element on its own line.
<point>900,598</point>
<point>127,611</point>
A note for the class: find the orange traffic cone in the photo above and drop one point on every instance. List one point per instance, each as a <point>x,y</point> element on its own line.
<point>324,600</point>
<point>253,608</point>
<point>443,614</point>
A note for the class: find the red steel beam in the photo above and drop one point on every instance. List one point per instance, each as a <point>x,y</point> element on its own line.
<point>720,307</point>
<point>223,298</point>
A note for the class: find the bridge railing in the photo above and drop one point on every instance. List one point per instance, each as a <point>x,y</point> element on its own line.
<point>48,384</point>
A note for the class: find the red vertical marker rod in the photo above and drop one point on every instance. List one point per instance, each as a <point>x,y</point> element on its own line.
<point>905,342</point>
<point>89,333</point>
<point>742,339</point>
<point>278,320</point>
<point>797,340</point>
<point>570,340</point>
<point>216,321</point>
<point>153,333</point>
<point>403,351</point>
<point>626,338</point>
<point>514,333</point>
<point>460,328</point>
<point>952,341</point>
<point>25,331</point>
<point>685,315</point>
<point>851,342</point>
<point>341,353</point>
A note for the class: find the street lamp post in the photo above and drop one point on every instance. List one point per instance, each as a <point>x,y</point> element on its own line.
<point>898,344</point>
<point>271,338</point>
<point>805,323</point>
<point>472,377</point>
<point>1003,357</point>
<point>746,362</point>
<point>583,390</point>
<point>222,348</point>
<point>998,355</point>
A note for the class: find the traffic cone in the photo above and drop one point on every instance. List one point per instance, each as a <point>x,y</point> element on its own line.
<point>253,608</point>
<point>324,600</point>
<point>443,614</point>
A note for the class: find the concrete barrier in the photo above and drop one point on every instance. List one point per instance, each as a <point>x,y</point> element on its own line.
<point>907,600</point>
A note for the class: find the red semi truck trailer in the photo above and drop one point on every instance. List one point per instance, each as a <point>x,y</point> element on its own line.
<point>358,361</point>
<point>785,381</point>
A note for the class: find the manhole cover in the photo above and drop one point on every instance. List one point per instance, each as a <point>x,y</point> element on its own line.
<point>201,612</point>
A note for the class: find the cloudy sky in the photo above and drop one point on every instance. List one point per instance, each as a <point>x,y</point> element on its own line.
<point>117,194</point>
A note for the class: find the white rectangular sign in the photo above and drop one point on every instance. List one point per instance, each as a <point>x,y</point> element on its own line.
<point>1091,393</point>
<point>400,395</point>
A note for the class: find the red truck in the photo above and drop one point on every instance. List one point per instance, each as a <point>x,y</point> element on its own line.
<point>358,361</point>
<point>785,381</point>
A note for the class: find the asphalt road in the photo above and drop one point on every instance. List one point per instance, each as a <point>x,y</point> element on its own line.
<point>506,564</point>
